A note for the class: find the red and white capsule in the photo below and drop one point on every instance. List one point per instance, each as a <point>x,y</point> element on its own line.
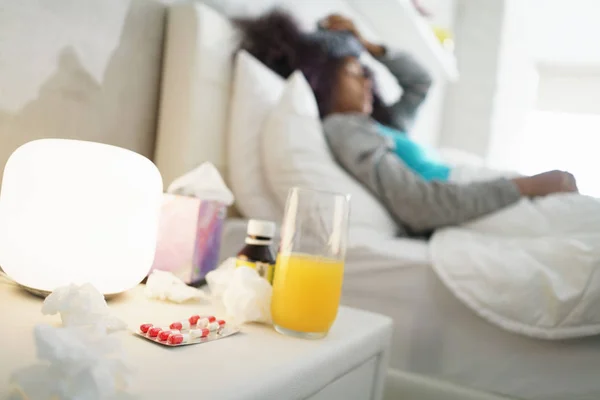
<point>163,336</point>
<point>178,338</point>
<point>202,323</point>
<point>180,325</point>
<point>199,333</point>
<point>211,319</point>
<point>154,331</point>
<point>213,326</point>
<point>194,319</point>
<point>145,328</point>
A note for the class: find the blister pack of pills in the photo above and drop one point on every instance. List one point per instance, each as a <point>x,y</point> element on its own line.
<point>194,330</point>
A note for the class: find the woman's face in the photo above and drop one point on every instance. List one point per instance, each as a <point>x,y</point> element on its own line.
<point>353,90</point>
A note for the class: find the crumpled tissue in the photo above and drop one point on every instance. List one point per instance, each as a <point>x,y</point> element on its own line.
<point>76,363</point>
<point>80,306</point>
<point>163,285</point>
<point>244,294</point>
<point>203,182</point>
<point>79,360</point>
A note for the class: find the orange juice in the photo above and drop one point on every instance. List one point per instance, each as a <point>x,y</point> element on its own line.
<point>306,292</point>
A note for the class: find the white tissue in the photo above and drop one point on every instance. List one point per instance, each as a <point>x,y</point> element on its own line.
<point>77,363</point>
<point>219,279</point>
<point>80,306</point>
<point>203,182</point>
<point>163,285</point>
<point>79,360</point>
<point>245,295</point>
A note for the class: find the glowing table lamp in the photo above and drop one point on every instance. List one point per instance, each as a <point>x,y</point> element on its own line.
<point>75,212</point>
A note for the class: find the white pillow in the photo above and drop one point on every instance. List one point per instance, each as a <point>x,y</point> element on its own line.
<point>256,90</point>
<point>295,153</point>
<point>196,86</point>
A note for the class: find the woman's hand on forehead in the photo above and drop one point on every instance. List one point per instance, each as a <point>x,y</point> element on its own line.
<point>336,22</point>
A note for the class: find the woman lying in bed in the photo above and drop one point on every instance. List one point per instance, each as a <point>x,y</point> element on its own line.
<point>369,139</point>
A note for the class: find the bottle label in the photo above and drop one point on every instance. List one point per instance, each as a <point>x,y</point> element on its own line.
<point>263,269</point>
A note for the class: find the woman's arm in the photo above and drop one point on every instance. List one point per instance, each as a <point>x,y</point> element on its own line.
<point>418,205</point>
<point>412,77</point>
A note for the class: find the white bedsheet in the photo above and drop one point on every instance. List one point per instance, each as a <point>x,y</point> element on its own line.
<point>532,268</point>
<point>438,336</point>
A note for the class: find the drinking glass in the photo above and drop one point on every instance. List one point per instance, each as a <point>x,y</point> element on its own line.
<point>310,265</point>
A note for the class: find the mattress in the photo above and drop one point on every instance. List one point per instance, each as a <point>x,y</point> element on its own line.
<point>437,336</point>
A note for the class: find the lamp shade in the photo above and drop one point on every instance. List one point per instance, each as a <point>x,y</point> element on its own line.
<point>78,212</point>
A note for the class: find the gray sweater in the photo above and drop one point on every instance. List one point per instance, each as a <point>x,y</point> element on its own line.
<point>418,206</point>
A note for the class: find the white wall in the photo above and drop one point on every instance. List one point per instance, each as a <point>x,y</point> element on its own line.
<point>443,12</point>
<point>75,70</point>
<point>565,31</point>
<point>469,104</point>
<point>429,125</point>
<point>569,89</point>
<point>499,44</point>
<point>517,84</point>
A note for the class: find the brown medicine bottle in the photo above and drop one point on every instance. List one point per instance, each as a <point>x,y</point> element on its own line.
<point>258,254</point>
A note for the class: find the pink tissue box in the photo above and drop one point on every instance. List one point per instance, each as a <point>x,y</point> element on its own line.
<point>189,237</point>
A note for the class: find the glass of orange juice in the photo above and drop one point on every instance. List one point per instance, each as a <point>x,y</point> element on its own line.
<point>307,284</point>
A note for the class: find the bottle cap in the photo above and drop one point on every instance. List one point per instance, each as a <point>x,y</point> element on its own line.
<point>261,228</point>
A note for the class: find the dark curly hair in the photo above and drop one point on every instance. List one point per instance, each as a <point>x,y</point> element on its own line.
<point>275,39</point>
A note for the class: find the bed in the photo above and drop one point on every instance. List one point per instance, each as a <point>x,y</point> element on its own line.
<point>435,336</point>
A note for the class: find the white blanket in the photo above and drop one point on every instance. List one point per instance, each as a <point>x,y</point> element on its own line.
<point>531,268</point>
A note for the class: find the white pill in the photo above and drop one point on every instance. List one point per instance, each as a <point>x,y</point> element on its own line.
<point>202,323</point>
<point>213,326</point>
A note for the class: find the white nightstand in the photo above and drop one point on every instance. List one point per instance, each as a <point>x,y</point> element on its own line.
<point>257,363</point>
